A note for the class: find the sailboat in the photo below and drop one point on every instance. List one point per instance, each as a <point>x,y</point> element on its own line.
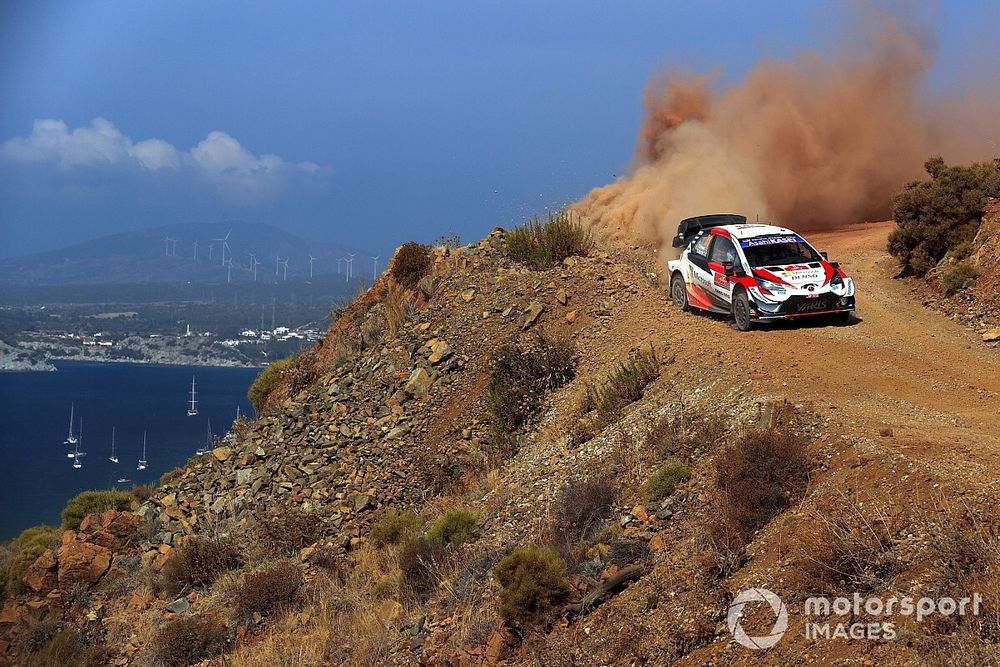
<point>76,448</point>
<point>193,408</point>
<point>201,451</point>
<point>71,439</point>
<point>113,458</point>
<point>142,461</point>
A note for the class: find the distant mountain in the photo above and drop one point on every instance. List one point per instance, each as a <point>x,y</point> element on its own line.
<point>183,253</point>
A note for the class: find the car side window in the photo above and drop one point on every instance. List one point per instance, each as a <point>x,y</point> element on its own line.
<point>700,246</point>
<point>723,252</point>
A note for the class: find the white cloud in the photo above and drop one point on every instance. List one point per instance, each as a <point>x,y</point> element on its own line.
<point>219,158</point>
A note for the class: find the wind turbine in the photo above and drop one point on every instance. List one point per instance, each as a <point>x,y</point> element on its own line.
<point>284,263</point>
<point>196,250</point>
<point>225,246</point>
<point>350,265</point>
<point>375,268</point>
<point>253,266</point>
<point>229,269</point>
<point>211,250</point>
<point>339,260</point>
<point>311,260</point>
<point>166,245</point>
<point>173,248</point>
<point>277,264</point>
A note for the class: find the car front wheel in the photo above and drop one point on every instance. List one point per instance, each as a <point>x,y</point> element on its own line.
<point>741,311</point>
<point>678,292</point>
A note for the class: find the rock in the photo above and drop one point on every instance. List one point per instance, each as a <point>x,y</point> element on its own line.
<point>498,647</point>
<point>388,611</point>
<point>41,575</point>
<point>571,316</point>
<point>532,314</point>
<point>222,454</point>
<point>562,297</point>
<point>468,295</point>
<point>244,476</point>
<point>82,563</point>
<point>664,513</point>
<point>419,383</point>
<point>361,502</point>
<point>992,336</point>
<point>179,606</point>
<point>439,352</point>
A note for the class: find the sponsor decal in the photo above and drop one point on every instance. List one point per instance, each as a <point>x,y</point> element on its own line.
<point>770,240</point>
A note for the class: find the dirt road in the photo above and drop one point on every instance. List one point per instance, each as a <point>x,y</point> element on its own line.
<point>901,366</point>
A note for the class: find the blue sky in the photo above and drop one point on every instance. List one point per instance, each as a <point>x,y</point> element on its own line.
<point>364,123</point>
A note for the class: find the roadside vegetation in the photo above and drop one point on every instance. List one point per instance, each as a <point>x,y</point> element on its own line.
<point>541,245</point>
<point>941,215</point>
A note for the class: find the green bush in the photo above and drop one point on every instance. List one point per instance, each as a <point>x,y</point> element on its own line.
<point>957,277</point>
<point>25,550</point>
<point>268,590</point>
<point>198,563</point>
<point>939,215</point>
<point>521,376</point>
<point>624,385</point>
<point>171,476</point>
<point>189,640</point>
<point>396,527</point>
<point>267,381</point>
<point>534,582</point>
<point>94,502</point>
<point>541,245</point>
<point>665,480</point>
<point>455,527</point>
<point>411,263</point>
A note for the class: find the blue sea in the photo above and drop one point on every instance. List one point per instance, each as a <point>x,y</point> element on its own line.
<point>36,476</point>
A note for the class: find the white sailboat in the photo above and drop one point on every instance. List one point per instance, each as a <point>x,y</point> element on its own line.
<point>193,408</point>
<point>114,457</point>
<point>142,461</point>
<point>71,439</point>
<point>201,451</point>
<point>76,448</point>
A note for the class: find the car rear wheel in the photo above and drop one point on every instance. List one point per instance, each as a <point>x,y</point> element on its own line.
<point>678,292</point>
<point>741,311</point>
<point>841,318</point>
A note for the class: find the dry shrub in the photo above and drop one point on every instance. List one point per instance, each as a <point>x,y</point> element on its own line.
<point>411,263</point>
<point>522,374</point>
<point>758,478</point>
<point>423,564</point>
<point>623,386</point>
<point>289,531</point>
<point>541,245</point>
<point>957,277</point>
<point>849,547</point>
<point>67,648</point>
<point>427,287</point>
<point>394,302</point>
<point>683,434</point>
<point>197,564</point>
<point>534,583</point>
<point>189,640</point>
<point>143,492</point>
<point>579,512</point>
<point>965,560</point>
<point>372,329</point>
<point>268,590</point>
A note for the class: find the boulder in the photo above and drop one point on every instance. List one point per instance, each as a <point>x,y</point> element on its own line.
<point>82,563</point>
<point>41,575</point>
<point>439,352</point>
<point>532,314</point>
<point>992,336</point>
<point>419,383</point>
<point>222,454</point>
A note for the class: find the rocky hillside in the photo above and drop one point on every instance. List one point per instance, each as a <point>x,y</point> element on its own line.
<point>505,457</point>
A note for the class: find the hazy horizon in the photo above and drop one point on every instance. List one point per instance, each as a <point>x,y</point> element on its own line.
<point>363,125</point>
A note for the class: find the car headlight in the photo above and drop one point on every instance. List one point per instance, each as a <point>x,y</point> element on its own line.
<point>837,283</point>
<point>772,287</point>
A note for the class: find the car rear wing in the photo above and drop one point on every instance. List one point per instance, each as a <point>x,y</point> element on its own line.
<point>691,226</point>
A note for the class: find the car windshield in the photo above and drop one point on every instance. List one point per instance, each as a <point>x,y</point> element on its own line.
<point>777,250</point>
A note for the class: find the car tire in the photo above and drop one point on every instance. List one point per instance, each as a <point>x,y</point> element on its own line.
<point>678,291</point>
<point>741,310</point>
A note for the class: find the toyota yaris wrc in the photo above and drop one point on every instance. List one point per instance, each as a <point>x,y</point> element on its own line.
<point>754,272</point>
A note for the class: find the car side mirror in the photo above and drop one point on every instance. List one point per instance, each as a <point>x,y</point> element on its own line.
<point>733,270</point>
<point>824,255</point>
<point>835,265</point>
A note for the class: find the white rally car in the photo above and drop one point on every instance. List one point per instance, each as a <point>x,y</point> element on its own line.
<point>755,272</point>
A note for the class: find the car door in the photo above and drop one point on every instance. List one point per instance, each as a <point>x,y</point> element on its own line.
<point>699,279</point>
<point>722,254</point>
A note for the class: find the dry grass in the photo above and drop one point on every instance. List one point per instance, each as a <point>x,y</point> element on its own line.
<point>394,301</point>
<point>623,386</point>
